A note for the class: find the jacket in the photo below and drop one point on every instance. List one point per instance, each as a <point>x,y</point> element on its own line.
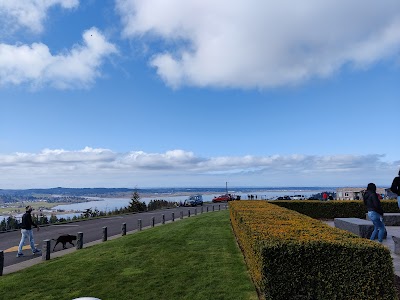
<point>27,221</point>
<point>372,202</point>
<point>395,188</point>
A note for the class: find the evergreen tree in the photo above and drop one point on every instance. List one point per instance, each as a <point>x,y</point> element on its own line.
<point>12,223</point>
<point>135,205</point>
<point>3,225</point>
<point>53,219</point>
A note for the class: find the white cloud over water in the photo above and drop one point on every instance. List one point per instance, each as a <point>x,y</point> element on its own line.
<point>91,167</point>
<point>261,43</point>
<point>29,14</point>
<point>35,65</point>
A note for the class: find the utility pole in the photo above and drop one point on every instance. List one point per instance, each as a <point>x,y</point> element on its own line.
<point>226,187</point>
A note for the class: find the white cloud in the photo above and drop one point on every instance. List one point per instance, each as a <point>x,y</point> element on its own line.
<point>103,167</point>
<point>261,43</point>
<point>29,14</point>
<point>36,65</point>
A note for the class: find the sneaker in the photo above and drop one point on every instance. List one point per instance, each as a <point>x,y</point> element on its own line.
<point>37,251</point>
<point>20,254</point>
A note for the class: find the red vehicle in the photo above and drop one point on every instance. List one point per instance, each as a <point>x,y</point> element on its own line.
<point>224,198</point>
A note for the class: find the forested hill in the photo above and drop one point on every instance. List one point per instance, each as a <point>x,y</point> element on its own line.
<point>88,192</point>
<point>127,192</point>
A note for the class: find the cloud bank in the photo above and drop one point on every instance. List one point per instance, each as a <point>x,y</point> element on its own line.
<point>91,167</point>
<point>30,14</point>
<point>36,65</point>
<point>262,43</point>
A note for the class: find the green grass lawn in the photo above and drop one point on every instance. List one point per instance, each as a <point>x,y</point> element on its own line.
<point>196,258</point>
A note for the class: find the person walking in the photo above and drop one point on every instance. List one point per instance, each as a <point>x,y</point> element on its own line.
<point>395,188</point>
<point>375,212</point>
<point>26,232</point>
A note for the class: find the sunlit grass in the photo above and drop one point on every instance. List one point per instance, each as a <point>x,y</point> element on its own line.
<point>196,258</point>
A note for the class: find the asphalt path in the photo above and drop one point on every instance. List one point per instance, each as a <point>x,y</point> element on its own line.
<point>92,229</point>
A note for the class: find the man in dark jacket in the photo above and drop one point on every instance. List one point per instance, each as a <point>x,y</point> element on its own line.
<point>375,212</point>
<point>395,188</point>
<point>26,232</point>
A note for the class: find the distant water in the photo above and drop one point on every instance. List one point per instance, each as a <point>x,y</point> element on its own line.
<point>109,204</point>
<point>70,215</point>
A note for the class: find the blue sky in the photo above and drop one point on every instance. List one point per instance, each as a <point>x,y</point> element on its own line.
<point>175,93</point>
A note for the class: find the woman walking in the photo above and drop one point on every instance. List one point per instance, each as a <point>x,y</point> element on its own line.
<point>375,212</point>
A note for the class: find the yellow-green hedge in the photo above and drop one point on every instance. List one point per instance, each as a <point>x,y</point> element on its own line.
<point>292,256</point>
<point>334,209</point>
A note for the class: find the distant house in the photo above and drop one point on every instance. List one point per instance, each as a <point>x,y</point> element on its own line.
<point>352,193</point>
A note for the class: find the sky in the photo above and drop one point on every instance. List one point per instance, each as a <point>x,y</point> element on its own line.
<point>199,93</point>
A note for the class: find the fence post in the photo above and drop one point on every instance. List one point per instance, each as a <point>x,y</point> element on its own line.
<point>219,206</point>
<point>188,213</point>
<point>123,230</point>
<point>213,208</point>
<point>181,215</point>
<point>46,249</point>
<point>202,209</point>
<point>140,224</point>
<point>163,219</point>
<point>207,208</point>
<point>173,217</point>
<point>195,211</point>
<point>79,241</point>
<point>153,221</point>
<point>104,233</point>
<point>1,262</point>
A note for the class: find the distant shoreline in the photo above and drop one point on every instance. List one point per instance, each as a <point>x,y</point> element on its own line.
<point>146,194</point>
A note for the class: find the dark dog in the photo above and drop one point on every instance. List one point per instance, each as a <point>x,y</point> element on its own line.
<point>63,239</point>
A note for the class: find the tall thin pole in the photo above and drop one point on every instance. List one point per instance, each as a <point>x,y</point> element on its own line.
<point>226,184</point>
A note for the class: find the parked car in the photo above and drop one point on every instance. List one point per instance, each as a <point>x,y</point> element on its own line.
<point>225,198</point>
<point>283,198</point>
<point>194,200</point>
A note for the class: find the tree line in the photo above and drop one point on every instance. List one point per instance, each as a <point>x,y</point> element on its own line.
<point>135,206</point>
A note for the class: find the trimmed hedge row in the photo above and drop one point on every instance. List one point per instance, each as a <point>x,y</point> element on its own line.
<point>292,256</point>
<point>334,209</point>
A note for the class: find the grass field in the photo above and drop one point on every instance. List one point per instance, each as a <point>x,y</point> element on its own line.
<point>196,258</point>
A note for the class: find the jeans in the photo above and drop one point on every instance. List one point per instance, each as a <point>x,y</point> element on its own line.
<point>398,201</point>
<point>379,227</point>
<point>26,234</point>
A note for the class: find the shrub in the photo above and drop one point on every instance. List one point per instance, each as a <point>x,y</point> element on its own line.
<point>334,209</point>
<point>292,256</point>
